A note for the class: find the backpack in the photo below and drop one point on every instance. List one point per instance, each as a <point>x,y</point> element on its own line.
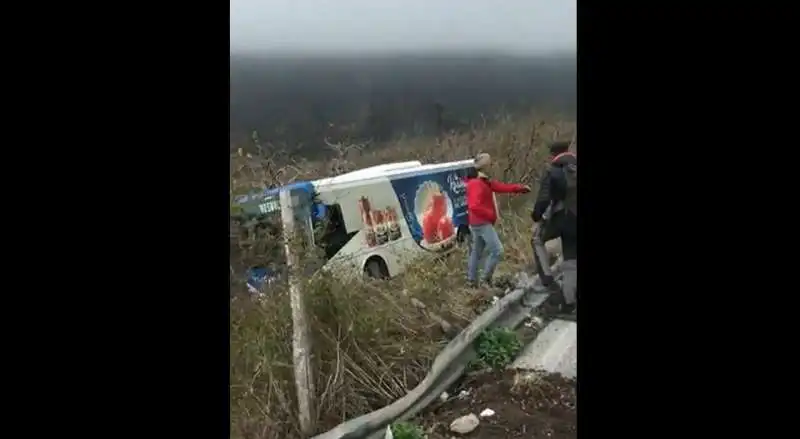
<point>570,172</point>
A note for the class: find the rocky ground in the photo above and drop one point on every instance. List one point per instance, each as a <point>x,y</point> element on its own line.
<point>494,404</point>
<point>506,404</point>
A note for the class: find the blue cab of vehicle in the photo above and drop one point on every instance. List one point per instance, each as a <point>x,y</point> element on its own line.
<point>266,203</point>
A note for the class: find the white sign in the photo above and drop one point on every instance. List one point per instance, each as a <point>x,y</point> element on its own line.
<point>269,206</point>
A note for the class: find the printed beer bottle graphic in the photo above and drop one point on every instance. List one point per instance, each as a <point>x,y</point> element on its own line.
<point>366,221</point>
<point>394,226</point>
<point>381,231</point>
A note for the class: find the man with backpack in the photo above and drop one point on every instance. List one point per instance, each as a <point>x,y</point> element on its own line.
<point>482,214</point>
<point>555,215</point>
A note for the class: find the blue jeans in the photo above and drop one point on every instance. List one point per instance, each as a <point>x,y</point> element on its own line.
<point>484,237</point>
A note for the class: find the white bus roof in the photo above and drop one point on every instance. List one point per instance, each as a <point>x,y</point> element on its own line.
<point>358,177</point>
<point>372,171</point>
<point>392,166</point>
<point>423,169</point>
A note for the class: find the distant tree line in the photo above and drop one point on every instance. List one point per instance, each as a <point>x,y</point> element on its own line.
<point>297,103</point>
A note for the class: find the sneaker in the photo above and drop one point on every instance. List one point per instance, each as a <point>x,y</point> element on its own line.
<point>568,312</point>
<point>547,280</point>
<point>548,310</point>
<point>554,299</point>
<point>568,308</point>
<point>555,289</point>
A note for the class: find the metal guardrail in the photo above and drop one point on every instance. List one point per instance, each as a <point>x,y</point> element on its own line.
<point>449,365</point>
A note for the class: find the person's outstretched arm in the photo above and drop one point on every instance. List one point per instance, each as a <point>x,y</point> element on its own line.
<point>508,188</point>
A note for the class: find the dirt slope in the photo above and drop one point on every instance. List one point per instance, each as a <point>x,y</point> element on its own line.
<point>538,407</point>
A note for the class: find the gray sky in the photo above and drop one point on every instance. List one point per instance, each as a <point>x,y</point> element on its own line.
<point>387,25</point>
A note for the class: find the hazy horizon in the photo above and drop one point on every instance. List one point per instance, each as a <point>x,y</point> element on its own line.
<point>361,27</point>
<point>301,72</point>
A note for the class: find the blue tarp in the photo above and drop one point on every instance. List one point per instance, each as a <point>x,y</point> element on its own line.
<point>257,277</point>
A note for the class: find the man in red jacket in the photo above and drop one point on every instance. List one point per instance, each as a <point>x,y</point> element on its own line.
<point>482,214</point>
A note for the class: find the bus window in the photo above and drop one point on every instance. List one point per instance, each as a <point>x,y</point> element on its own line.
<point>330,233</point>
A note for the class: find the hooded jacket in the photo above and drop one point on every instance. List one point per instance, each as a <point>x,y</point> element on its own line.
<point>553,188</point>
<point>553,184</point>
<point>481,208</point>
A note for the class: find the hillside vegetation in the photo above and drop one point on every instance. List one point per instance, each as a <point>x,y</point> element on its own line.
<point>298,102</point>
<point>372,340</point>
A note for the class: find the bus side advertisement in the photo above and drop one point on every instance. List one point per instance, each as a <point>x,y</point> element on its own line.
<point>434,206</point>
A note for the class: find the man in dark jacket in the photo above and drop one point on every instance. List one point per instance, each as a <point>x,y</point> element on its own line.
<point>482,214</point>
<point>555,214</point>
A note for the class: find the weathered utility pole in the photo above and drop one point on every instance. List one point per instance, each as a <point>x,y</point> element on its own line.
<point>301,343</point>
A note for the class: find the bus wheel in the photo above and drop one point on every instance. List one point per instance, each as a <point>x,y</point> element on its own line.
<point>376,269</point>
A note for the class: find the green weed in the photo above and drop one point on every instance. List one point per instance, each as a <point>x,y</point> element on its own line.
<point>407,430</point>
<point>497,347</point>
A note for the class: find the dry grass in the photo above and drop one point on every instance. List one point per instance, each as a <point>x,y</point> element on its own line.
<point>371,341</point>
